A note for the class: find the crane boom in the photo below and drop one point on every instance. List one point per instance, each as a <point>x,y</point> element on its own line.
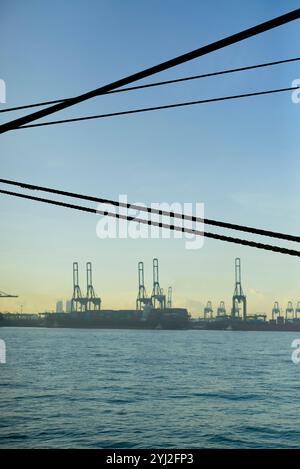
<point>6,295</point>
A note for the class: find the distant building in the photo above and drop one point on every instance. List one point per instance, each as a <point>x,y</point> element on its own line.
<point>68,306</point>
<point>59,306</point>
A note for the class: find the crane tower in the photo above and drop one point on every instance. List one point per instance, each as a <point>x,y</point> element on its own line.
<point>93,302</point>
<point>275,310</point>
<point>221,311</point>
<point>142,299</point>
<point>208,311</point>
<point>157,296</point>
<point>169,301</point>
<point>238,295</point>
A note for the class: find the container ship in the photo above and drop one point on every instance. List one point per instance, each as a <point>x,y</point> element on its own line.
<point>168,318</point>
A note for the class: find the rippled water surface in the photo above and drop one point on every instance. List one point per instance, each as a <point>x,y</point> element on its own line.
<point>144,389</point>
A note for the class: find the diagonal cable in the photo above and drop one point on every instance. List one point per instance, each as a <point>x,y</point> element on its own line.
<point>159,108</point>
<point>204,50</point>
<point>162,83</point>
<point>141,208</point>
<point>229,239</point>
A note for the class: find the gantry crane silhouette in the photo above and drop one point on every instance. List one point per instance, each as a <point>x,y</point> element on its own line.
<point>6,295</point>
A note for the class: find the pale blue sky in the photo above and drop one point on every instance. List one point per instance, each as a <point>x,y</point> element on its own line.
<point>240,158</point>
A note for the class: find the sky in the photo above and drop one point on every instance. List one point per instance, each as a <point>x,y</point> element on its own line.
<point>239,158</point>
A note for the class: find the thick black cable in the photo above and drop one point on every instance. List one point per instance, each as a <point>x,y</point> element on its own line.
<point>217,45</point>
<point>158,108</point>
<point>181,216</point>
<point>161,83</point>
<point>229,239</point>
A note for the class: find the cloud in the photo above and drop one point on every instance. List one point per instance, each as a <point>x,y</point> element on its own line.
<point>193,306</point>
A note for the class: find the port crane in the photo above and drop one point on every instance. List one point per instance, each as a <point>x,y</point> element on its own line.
<point>78,302</point>
<point>275,310</point>
<point>7,295</point>
<point>297,310</point>
<point>169,301</point>
<point>93,302</point>
<point>157,292</point>
<point>289,312</point>
<point>142,299</point>
<point>208,311</point>
<point>238,295</point>
<point>90,302</point>
<point>221,311</point>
